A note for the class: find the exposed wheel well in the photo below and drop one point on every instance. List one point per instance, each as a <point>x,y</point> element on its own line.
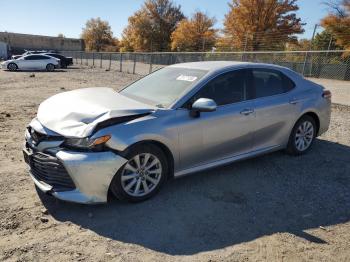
<point>164,148</point>
<point>315,117</point>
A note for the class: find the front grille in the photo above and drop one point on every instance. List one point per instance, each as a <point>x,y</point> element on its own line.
<point>50,170</point>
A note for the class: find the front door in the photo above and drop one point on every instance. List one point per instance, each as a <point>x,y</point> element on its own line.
<point>226,132</point>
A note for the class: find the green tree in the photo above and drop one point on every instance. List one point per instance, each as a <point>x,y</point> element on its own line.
<point>325,41</point>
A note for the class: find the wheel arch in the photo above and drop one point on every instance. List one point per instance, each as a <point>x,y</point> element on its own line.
<point>167,152</point>
<point>13,64</point>
<point>314,116</point>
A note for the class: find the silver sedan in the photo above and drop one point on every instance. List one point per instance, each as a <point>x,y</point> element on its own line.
<point>181,119</point>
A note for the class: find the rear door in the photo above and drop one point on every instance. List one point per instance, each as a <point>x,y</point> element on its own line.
<point>275,111</point>
<point>42,61</point>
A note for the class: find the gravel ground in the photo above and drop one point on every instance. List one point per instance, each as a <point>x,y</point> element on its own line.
<point>340,89</point>
<point>272,208</point>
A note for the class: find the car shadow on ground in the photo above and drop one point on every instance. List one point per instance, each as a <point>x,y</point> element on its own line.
<point>229,205</point>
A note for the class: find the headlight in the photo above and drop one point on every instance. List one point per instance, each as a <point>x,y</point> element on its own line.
<point>86,143</point>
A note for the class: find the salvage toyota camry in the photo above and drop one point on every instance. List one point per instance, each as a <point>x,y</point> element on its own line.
<point>178,120</point>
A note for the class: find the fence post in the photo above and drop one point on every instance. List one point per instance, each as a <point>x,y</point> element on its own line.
<point>305,61</point>
<point>101,61</point>
<point>110,61</point>
<point>81,58</point>
<point>121,62</point>
<point>150,63</point>
<point>93,59</point>
<point>86,59</point>
<point>134,68</point>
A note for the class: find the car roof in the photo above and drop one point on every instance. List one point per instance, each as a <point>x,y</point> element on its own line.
<point>219,65</point>
<point>38,55</point>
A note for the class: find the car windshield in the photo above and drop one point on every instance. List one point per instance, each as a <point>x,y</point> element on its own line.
<point>164,86</point>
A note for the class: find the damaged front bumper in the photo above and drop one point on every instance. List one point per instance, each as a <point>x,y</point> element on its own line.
<point>80,177</point>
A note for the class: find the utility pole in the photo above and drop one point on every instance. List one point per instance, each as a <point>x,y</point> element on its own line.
<point>311,44</point>
<point>329,46</point>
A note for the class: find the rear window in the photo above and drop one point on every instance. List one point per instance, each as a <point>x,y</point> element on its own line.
<point>269,82</point>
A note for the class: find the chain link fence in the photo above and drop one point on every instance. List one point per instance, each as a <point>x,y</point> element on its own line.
<point>317,64</point>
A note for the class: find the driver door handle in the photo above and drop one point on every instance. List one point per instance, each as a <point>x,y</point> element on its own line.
<point>247,111</point>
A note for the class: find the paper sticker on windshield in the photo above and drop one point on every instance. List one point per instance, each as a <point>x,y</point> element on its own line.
<point>186,78</point>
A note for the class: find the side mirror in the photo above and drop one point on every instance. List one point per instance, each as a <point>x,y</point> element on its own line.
<point>202,105</point>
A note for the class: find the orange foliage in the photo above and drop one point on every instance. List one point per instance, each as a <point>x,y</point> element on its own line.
<point>98,36</point>
<point>338,24</point>
<point>261,24</point>
<point>195,34</point>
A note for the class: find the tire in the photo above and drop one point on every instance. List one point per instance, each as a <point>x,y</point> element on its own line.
<point>131,183</point>
<point>12,67</point>
<point>50,67</point>
<point>302,137</point>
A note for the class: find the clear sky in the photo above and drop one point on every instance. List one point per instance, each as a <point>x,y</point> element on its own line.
<point>44,17</point>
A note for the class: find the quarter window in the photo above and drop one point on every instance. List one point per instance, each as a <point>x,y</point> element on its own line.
<point>269,82</point>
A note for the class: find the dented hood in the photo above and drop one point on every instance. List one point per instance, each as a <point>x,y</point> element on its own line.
<point>76,113</point>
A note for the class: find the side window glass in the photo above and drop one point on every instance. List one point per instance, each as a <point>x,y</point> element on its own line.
<point>269,82</point>
<point>225,89</point>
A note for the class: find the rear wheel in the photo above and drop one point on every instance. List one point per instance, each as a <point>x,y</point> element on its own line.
<point>142,176</point>
<point>50,67</point>
<point>12,67</point>
<point>302,136</point>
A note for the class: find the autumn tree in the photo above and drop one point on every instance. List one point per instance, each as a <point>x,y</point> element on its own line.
<point>261,24</point>
<point>194,34</point>
<point>150,28</point>
<point>97,35</point>
<point>338,22</point>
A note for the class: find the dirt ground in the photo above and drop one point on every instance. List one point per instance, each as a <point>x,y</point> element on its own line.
<point>272,208</point>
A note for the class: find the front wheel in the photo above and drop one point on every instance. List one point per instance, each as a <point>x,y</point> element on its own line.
<point>302,136</point>
<point>142,176</point>
<point>50,67</point>
<point>12,67</point>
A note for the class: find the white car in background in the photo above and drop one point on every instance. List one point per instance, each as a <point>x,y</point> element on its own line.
<point>32,62</point>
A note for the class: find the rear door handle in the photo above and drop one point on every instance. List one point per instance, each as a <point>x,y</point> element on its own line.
<point>294,101</point>
<point>247,111</point>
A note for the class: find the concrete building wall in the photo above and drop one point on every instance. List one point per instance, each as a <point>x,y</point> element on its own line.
<point>3,50</point>
<point>19,42</point>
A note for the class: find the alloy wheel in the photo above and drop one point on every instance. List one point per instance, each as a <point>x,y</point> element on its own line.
<point>12,67</point>
<point>50,67</point>
<point>304,136</point>
<point>141,175</point>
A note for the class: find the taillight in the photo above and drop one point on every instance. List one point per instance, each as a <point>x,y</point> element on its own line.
<point>327,94</point>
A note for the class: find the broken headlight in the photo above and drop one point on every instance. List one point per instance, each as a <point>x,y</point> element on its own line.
<point>86,143</point>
